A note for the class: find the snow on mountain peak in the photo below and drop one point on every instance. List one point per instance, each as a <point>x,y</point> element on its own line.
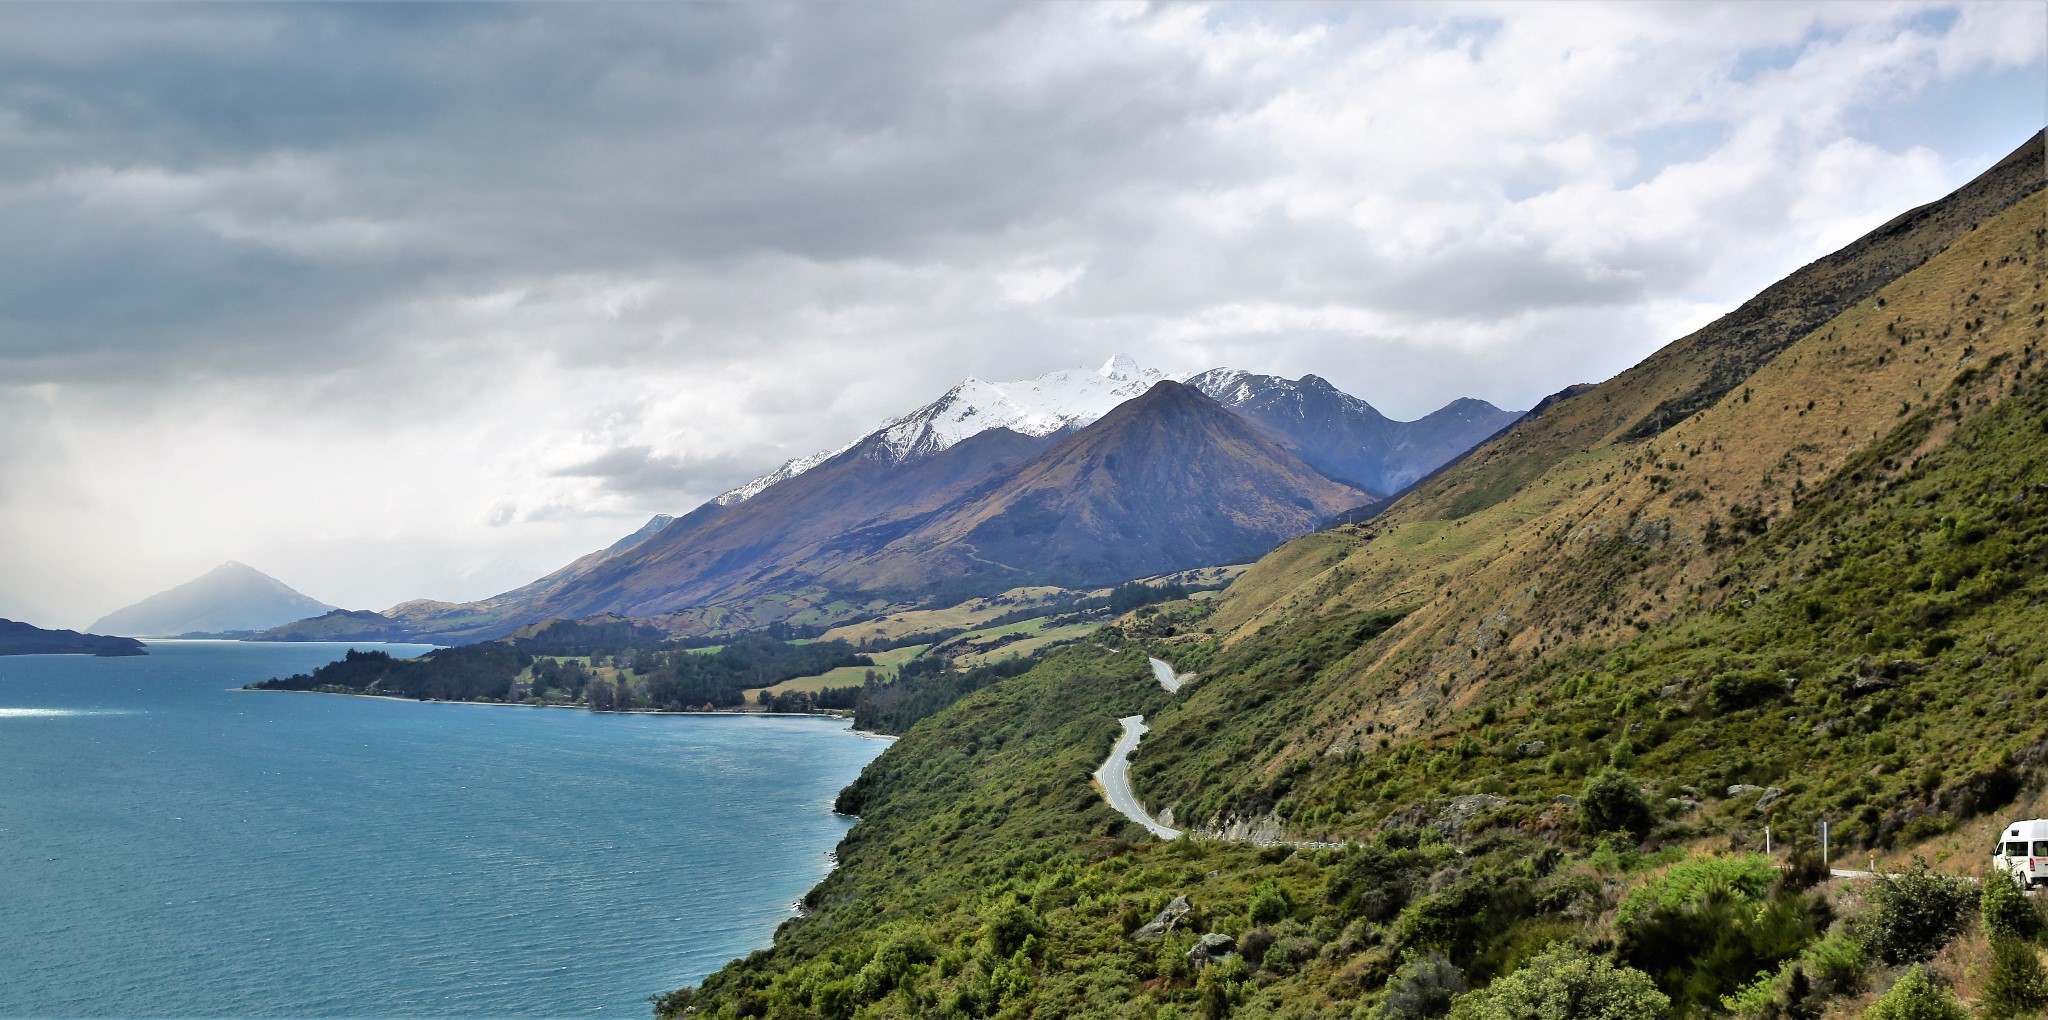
<point>1068,398</point>
<point>1123,366</point>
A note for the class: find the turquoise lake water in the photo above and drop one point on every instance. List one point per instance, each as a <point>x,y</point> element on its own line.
<point>171,846</point>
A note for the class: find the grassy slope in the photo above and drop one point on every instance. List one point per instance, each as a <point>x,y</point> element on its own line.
<point>1649,602</point>
<point>886,665</point>
<point>1599,547</point>
<point>966,614</point>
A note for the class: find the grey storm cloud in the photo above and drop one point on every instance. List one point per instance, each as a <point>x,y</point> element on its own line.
<point>540,270</point>
<point>238,179</point>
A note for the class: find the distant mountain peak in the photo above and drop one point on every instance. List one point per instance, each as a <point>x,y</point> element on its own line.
<point>1120,366</point>
<point>231,597</point>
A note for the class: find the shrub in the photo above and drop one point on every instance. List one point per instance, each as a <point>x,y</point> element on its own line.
<point>1253,945</point>
<point>1804,869</point>
<point>1290,953</point>
<point>1270,903</point>
<point>1011,927</point>
<point>2017,988</point>
<point>1836,962</point>
<point>1916,997</point>
<point>1744,689</point>
<point>1565,981</point>
<point>2006,912</point>
<point>1700,880</point>
<point>1913,914</point>
<point>1424,987</point>
<point>1800,990</point>
<point>1612,802</point>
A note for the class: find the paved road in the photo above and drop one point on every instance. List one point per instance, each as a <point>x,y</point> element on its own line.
<point>1167,677</point>
<point>1115,774</point>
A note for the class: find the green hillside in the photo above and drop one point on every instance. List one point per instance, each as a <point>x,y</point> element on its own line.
<point>1792,569</point>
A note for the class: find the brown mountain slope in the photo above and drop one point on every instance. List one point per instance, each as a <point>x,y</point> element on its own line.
<point>1166,481</point>
<point>1570,533</point>
<point>783,537</point>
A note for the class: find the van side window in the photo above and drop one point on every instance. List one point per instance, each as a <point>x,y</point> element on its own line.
<point>2015,849</point>
<point>2041,848</point>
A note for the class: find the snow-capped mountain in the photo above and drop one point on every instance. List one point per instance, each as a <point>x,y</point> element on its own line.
<point>1347,438</point>
<point>1073,478</point>
<point>1066,399</point>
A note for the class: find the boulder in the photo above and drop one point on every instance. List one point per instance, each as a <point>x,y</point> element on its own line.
<point>1211,948</point>
<point>1743,790</point>
<point>1460,813</point>
<point>1770,795</point>
<point>1167,920</point>
<point>1530,748</point>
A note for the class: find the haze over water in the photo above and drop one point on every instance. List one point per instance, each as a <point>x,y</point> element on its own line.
<point>170,846</point>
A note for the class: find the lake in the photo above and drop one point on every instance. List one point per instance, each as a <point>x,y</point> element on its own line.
<point>171,846</point>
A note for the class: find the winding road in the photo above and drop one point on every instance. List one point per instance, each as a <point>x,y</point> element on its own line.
<point>1167,678</point>
<point>1115,777</point>
<point>1115,774</point>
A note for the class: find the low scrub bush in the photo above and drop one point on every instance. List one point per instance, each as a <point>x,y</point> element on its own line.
<point>1612,801</point>
<point>2017,988</point>
<point>2006,912</point>
<point>1424,987</point>
<point>1916,997</point>
<point>1913,914</point>
<point>1566,981</point>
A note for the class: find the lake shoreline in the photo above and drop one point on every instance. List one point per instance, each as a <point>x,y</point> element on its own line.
<point>863,734</point>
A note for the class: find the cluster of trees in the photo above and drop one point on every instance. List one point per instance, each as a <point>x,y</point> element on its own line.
<point>465,673</point>
<point>687,679</point>
<point>647,676</point>
<point>829,699</point>
<point>922,687</point>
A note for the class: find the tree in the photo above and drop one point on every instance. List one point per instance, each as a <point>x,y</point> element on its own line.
<point>1613,802</point>
<point>1565,983</point>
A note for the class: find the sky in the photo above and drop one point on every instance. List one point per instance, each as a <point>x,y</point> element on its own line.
<point>412,301</point>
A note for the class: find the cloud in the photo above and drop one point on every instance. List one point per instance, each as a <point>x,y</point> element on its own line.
<point>638,469</point>
<point>421,299</point>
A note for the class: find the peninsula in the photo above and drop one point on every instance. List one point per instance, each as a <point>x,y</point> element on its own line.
<point>18,638</point>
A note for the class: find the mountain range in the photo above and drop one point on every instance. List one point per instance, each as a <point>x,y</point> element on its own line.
<point>230,598</point>
<point>1074,478</point>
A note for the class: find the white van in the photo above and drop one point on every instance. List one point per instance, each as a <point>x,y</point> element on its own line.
<point>2022,852</point>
